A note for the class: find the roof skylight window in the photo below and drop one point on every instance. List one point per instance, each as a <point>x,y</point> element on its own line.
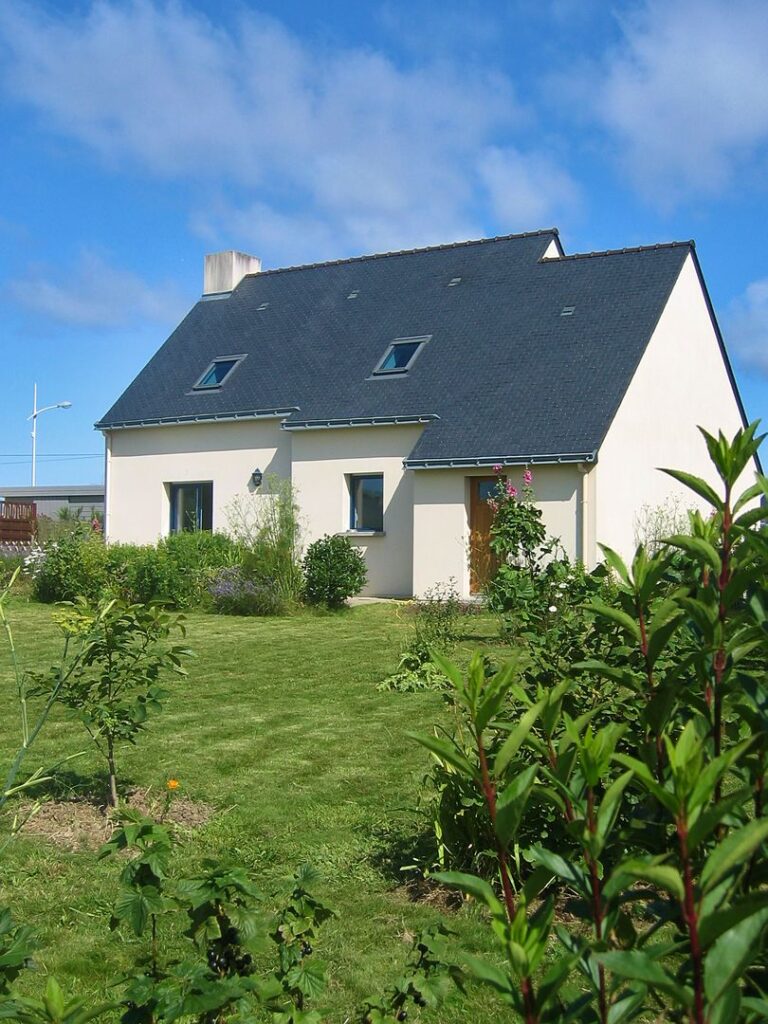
<point>400,355</point>
<point>567,311</point>
<point>217,373</point>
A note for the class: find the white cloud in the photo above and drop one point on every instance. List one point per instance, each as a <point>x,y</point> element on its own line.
<point>527,188</point>
<point>746,323</point>
<point>370,153</point>
<point>683,94</point>
<point>94,294</point>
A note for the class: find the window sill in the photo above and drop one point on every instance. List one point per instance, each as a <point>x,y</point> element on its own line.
<point>362,533</point>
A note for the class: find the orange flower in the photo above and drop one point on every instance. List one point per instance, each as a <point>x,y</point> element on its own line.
<point>172,783</point>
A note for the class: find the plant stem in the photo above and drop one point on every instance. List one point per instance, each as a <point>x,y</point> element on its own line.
<point>691,919</point>
<point>113,798</point>
<point>489,792</point>
<point>719,659</point>
<point>597,902</point>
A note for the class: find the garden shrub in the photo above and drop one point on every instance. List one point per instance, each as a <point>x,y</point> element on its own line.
<point>175,571</point>
<point>654,758</point>
<point>334,570</point>
<point>74,566</point>
<point>233,593</point>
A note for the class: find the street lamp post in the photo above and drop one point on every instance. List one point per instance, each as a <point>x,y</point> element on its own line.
<point>35,413</point>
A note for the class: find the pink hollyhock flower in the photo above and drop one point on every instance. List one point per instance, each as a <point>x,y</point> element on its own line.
<point>497,468</point>
<point>511,491</point>
<point>494,504</point>
<point>527,478</point>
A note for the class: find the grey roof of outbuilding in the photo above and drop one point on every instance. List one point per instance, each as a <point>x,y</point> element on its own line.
<point>504,376</point>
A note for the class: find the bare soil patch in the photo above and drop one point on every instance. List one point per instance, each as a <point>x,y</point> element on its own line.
<point>83,824</point>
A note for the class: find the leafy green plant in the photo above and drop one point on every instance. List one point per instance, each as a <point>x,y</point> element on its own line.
<point>267,527</point>
<point>226,927</point>
<point>74,566</point>
<point>428,978</point>
<point>334,570</point>
<point>658,784</point>
<point>116,683</point>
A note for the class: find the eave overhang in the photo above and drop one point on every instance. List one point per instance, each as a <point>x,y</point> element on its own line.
<point>502,460</point>
<point>360,421</point>
<point>224,417</point>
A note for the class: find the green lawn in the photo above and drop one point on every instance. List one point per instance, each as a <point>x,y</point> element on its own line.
<point>280,727</point>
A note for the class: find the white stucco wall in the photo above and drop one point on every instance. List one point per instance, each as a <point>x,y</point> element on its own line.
<point>441,518</point>
<point>143,462</point>
<point>323,460</point>
<point>681,382</point>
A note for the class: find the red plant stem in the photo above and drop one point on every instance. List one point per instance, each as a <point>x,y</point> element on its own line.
<point>489,792</point>
<point>691,919</point>
<point>597,902</point>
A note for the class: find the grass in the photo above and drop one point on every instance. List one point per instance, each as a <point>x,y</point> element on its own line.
<point>280,727</point>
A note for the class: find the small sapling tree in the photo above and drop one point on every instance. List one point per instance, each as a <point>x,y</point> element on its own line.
<point>117,681</point>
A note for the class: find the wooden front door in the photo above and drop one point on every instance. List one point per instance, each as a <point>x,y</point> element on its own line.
<point>483,563</point>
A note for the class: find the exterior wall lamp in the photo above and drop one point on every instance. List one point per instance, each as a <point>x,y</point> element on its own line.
<point>256,477</point>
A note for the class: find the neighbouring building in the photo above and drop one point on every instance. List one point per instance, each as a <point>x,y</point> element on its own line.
<point>79,500</point>
<point>386,388</point>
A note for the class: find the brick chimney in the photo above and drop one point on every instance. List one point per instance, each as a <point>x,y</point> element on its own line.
<point>225,270</point>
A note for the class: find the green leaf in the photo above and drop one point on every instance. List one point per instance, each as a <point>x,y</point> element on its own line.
<point>611,803</point>
<point>516,738</point>
<point>727,1009</point>
<point>734,851</point>
<point>638,966</point>
<point>695,483</point>
<point>570,870</point>
<point>664,876</point>
<point>308,976</point>
<point>606,611</point>
<point>488,974</point>
<point>700,548</point>
<point>616,562</point>
<point>510,804</point>
<point>473,886</point>
<point>449,670</point>
<point>53,1000</point>
<point>733,952</point>
<point>713,925</point>
<point>447,751</point>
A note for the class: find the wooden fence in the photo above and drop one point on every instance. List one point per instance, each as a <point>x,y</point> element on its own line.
<point>18,522</point>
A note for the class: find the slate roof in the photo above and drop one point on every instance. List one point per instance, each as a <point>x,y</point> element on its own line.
<point>504,377</point>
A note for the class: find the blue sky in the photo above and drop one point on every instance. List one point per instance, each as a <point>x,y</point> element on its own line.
<point>136,136</point>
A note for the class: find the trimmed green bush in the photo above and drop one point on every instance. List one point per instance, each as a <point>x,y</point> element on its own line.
<point>176,570</point>
<point>334,571</point>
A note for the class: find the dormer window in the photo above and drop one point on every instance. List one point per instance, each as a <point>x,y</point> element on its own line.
<point>401,355</point>
<point>217,373</point>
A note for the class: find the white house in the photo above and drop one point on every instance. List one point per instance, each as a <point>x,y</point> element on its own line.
<point>386,387</point>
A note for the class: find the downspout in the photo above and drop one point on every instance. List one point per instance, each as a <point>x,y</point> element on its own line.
<point>107,467</point>
<point>584,469</point>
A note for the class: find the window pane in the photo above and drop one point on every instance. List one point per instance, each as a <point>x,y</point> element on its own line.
<point>401,355</point>
<point>191,507</point>
<point>205,514</point>
<point>217,373</point>
<point>367,502</point>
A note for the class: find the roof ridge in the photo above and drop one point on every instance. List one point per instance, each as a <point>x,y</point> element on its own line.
<point>690,244</point>
<point>409,252</point>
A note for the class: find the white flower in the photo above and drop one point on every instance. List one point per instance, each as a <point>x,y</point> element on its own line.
<point>552,608</point>
<point>563,585</point>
